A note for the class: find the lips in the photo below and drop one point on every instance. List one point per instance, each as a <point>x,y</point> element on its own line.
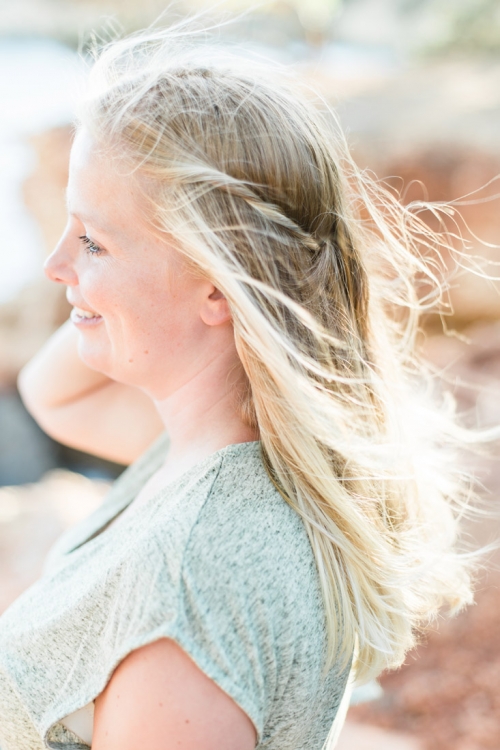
<point>81,317</point>
<point>84,313</point>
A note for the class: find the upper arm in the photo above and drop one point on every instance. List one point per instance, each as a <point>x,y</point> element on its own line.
<point>114,421</point>
<point>159,699</point>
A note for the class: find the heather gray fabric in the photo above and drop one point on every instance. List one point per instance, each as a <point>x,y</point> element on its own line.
<point>219,562</point>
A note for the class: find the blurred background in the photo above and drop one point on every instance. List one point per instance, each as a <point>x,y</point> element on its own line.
<point>416,85</point>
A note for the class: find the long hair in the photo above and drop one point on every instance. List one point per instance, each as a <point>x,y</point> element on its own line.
<point>327,277</point>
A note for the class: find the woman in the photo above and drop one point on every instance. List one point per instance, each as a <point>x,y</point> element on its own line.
<point>236,284</point>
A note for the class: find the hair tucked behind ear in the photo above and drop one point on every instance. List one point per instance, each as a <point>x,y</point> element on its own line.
<point>321,268</point>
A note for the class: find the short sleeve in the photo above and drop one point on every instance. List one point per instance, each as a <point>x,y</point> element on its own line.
<point>241,611</point>
<point>226,629</point>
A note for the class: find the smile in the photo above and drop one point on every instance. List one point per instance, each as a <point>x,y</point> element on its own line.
<point>84,317</point>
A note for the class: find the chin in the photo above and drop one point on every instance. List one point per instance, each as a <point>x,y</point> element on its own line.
<point>94,357</point>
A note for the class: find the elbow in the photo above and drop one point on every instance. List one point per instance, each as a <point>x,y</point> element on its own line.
<point>29,391</point>
<point>24,387</point>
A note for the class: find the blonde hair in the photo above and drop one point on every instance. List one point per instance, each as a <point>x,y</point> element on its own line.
<point>321,266</point>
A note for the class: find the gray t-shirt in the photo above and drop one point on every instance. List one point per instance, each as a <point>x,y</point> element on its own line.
<point>217,561</point>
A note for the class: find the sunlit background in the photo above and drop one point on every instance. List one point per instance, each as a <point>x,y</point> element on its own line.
<point>416,85</point>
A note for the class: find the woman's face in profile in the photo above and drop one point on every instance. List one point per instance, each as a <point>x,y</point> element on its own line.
<point>135,303</point>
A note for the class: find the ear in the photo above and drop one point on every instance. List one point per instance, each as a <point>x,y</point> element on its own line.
<point>215,309</point>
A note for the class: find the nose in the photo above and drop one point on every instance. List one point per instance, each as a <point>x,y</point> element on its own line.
<point>59,266</point>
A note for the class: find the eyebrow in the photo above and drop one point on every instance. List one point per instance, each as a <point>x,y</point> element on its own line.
<point>88,218</point>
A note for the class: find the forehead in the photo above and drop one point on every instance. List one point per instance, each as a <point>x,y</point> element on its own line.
<point>100,191</point>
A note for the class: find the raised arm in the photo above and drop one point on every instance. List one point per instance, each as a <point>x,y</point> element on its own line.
<point>83,408</point>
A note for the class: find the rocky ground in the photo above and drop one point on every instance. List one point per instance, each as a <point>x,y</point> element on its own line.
<point>446,696</point>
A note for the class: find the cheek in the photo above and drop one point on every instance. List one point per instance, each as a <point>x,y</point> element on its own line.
<point>144,316</point>
<point>168,319</point>
<point>166,323</point>
<point>118,297</point>
<point>97,286</point>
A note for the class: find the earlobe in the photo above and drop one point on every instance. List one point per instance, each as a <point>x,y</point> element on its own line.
<point>216,310</point>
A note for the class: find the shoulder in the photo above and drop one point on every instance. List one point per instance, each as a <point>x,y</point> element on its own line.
<point>249,557</point>
<point>243,492</point>
<point>250,611</point>
<point>246,521</point>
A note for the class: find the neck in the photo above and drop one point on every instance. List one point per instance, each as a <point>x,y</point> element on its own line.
<point>202,416</point>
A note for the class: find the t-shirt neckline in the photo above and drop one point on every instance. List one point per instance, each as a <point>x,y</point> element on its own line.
<point>103,527</point>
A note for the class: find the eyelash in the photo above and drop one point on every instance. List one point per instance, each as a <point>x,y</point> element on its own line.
<point>90,246</point>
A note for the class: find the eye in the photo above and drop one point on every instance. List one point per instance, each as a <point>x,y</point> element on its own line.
<point>90,246</point>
